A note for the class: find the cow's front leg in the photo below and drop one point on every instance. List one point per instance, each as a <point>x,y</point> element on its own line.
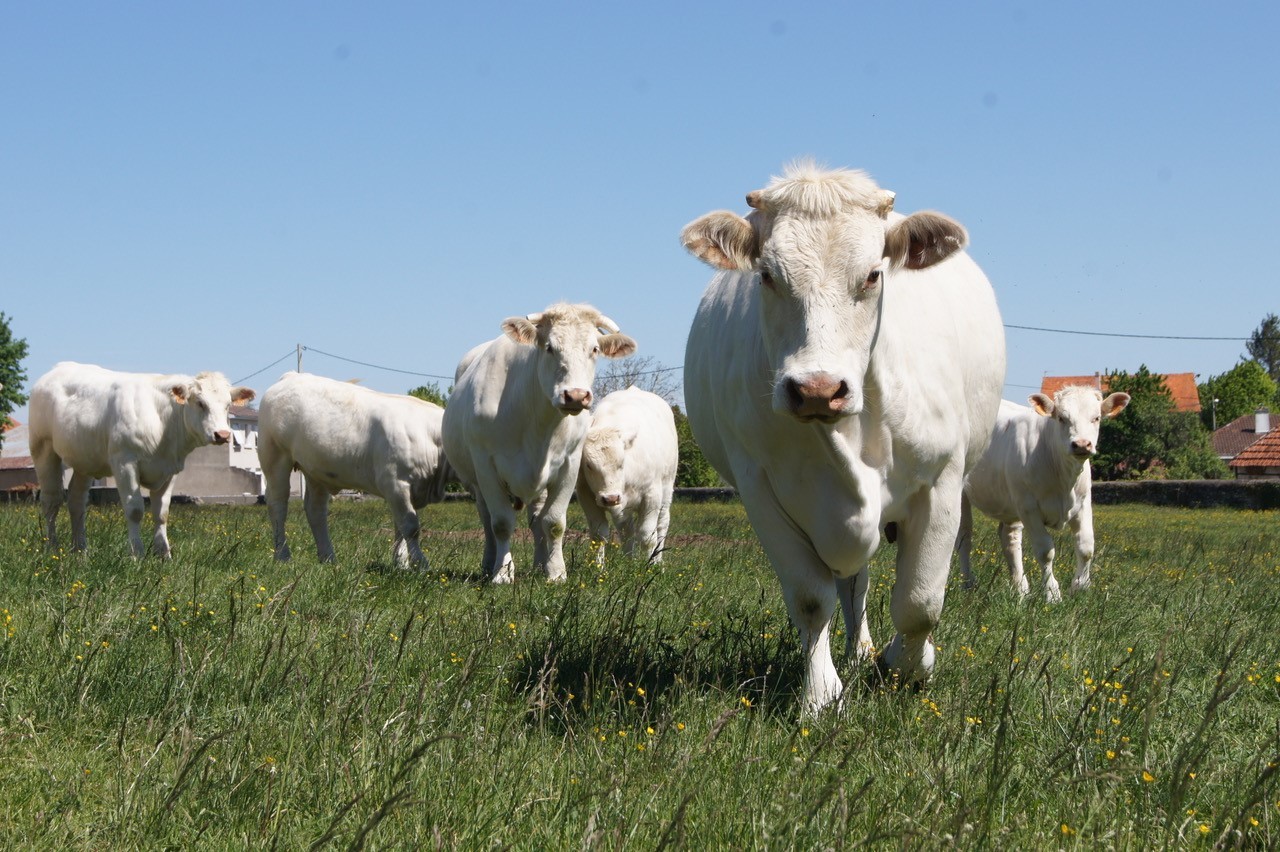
<point>316,505</point>
<point>550,522</point>
<point>160,497</point>
<point>490,543</point>
<point>1082,528</point>
<point>664,524</point>
<point>853,600</point>
<point>494,502</point>
<point>925,541</point>
<point>597,522</point>
<point>1011,544</point>
<point>77,507</point>
<point>130,488</point>
<point>1042,546</point>
<point>407,549</point>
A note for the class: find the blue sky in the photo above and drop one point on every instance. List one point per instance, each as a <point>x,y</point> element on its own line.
<point>192,187</point>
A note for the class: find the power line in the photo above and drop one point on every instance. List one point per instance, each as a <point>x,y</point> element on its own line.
<point>375,366</point>
<point>264,369</point>
<point>1119,334</point>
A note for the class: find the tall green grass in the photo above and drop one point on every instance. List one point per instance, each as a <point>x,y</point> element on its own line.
<point>223,700</point>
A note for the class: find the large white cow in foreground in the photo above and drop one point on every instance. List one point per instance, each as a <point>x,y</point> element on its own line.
<point>513,430</point>
<point>137,427</point>
<point>341,436</point>
<point>628,471</point>
<point>1036,474</point>
<point>843,371</point>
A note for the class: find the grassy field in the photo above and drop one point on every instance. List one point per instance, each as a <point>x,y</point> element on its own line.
<point>223,700</point>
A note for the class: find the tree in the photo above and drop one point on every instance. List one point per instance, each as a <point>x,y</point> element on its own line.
<point>645,372</point>
<point>1239,391</point>
<point>12,376</point>
<point>693,470</point>
<point>1264,346</point>
<point>432,393</point>
<point>1151,439</point>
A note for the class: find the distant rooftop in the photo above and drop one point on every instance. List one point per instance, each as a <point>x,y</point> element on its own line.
<point>1186,396</point>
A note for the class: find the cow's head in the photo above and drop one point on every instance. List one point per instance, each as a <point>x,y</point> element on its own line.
<point>1076,414</point>
<point>821,244</point>
<point>602,454</point>
<point>205,400</point>
<point>567,341</point>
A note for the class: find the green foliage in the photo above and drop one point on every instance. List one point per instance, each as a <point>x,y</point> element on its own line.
<point>693,469</point>
<point>1239,391</point>
<point>1264,346</point>
<point>12,375</point>
<point>1151,439</point>
<point>222,700</point>
<point>432,393</point>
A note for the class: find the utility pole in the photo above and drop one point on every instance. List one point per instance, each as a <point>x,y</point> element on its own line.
<point>299,357</point>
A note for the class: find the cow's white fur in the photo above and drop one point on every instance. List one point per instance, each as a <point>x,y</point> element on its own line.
<point>512,429</point>
<point>341,436</point>
<point>1036,475</point>
<point>628,471</point>
<point>843,377</point>
<point>137,427</point>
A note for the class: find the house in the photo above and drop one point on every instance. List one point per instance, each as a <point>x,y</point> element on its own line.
<point>1186,396</point>
<point>1238,435</point>
<point>1261,459</point>
<point>227,473</point>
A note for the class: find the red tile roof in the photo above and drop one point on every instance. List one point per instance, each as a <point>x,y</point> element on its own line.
<point>1186,396</point>
<point>1263,453</point>
<point>1232,439</point>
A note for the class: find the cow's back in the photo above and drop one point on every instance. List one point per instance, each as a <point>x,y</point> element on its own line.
<point>350,436</point>
<point>85,413</point>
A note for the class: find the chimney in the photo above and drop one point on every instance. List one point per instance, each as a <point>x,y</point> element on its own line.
<point>1261,421</point>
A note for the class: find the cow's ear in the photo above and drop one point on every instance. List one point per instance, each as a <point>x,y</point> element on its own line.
<point>1042,404</point>
<point>923,239</point>
<point>1114,404</point>
<point>616,345</point>
<point>179,394</point>
<point>520,330</point>
<point>722,239</point>
<point>242,395</point>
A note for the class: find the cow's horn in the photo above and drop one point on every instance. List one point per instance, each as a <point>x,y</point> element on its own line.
<point>754,199</point>
<point>607,324</point>
<point>535,317</point>
<point>886,202</point>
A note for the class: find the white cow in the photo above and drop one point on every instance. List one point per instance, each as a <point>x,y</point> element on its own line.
<point>628,471</point>
<point>137,427</point>
<point>843,371</point>
<point>513,428</point>
<point>341,436</point>
<point>1036,474</point>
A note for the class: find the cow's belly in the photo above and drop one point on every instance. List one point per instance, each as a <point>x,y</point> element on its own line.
<point>338,473</point>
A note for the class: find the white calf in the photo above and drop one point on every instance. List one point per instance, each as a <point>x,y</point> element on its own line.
<point>137,427</point>
<point>1036,474</point>
<point>628,471</point>
<point>344,436</point>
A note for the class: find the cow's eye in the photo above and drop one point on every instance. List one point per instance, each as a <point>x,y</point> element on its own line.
<point>873,278</point>
<point>550,348</point>
<point>1096,419</point>
<point>766,278</point>
<point>595,350</point>
<point>204,406</point>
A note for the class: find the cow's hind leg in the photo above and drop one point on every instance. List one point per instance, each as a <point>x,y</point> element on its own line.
<point>316,505</point>
<point>49,475</point>
<point>277,468</point>
<point>77,508</point>
<point>964,542</point>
